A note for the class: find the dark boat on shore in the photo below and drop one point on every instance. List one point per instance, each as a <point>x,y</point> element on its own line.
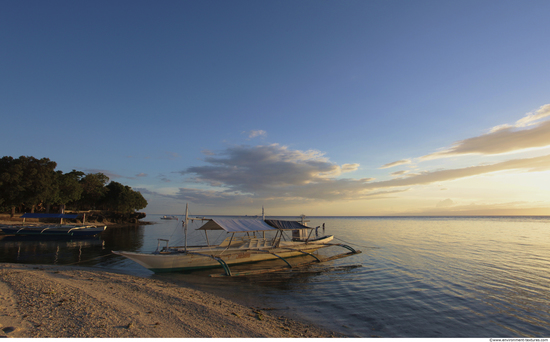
<point>52,230</point>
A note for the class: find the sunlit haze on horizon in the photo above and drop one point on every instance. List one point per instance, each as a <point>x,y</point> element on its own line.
<point>316,107</point>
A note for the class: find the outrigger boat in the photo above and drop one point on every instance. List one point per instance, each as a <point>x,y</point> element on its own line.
<point>52,230</point>
<point>244,245</point>
<point>43,230</point>
<point>168,217</point>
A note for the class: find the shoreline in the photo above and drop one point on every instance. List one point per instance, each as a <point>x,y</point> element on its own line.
<point>72,301</point>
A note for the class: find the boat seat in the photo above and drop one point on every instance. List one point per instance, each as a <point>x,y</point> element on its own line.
<point>252,243</point>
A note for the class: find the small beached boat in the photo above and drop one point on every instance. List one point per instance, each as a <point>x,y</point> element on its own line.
<point>169,217</point>
<point>247,243</point>
<point>52,230</point>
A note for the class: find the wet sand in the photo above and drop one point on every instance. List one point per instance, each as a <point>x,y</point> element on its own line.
<point>65,301</point>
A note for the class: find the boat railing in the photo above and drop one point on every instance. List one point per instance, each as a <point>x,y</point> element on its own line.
<point>158,245</point>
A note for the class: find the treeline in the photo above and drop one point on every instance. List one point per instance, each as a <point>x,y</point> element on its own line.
<point>30,184</point>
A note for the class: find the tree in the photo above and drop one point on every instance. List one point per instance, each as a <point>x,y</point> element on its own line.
<point>38,180</point>
<point>122,198</point>
<point>69,187</point>
<point>93,190</point>
<point>26,180</point>
<point>11,184</point>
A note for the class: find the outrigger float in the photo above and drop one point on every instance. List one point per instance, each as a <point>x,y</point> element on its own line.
<point>244,245</point>
<point>55,231</point>
<point>52,230</point>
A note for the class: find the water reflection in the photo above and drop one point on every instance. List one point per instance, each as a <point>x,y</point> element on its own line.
<point>31,250</point>
<point>95,251</point>
<point>416,277</point>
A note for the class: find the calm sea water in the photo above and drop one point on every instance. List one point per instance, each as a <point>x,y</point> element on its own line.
<point>416,277</point>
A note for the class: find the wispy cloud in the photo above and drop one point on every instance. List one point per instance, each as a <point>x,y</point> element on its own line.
<point>208,152</point>
<point>399,173</point>
<point>445,203</point>
<point>141,175</point>
<point>107,173</point>
<point>530,118</point>
<point>257,133</point>
<point>527,133</point>
<point>449,207</point>
<point>163,178</point>
<point>525,165</point>
<point>349,167</point>
<point>396,163</point>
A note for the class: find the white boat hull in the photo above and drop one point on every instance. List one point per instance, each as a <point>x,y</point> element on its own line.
<point>181,261</point>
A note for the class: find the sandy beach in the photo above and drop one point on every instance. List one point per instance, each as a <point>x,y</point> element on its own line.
<point>64,301</point>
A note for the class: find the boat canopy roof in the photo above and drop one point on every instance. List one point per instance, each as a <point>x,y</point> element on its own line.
<point>41,215</point>
<point>250,225</point>
<point>286,225</point>
<point>236,225</point>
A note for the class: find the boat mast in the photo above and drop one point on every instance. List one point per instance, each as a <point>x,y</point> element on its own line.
<point>263,219</point>
<point>185,223</point>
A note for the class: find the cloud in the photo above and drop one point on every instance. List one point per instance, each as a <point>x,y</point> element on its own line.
<point>399,173</point>
<point>504,138</point>
<point>211,197</point>
<point>141,175</point>
<point>526,165</point>
<point>349,167</point>
<point>396,163</point>
<point>529,118</point>
<point>278,176</point>
<point>274,173</point>
<point>477,209</point>
<point>208,152</point>
<point>251,169</point>
<point>234,198</point>
<point>445,203</point>
<point>257,133</point>
<point>107,173</point>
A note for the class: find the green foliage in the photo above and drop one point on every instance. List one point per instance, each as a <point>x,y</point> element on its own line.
<point>93,190</point>
<point>123,198</point>
<point>69,188</point>
<point>11,187</point>
<point>27,181</point>
<point>39,179</point>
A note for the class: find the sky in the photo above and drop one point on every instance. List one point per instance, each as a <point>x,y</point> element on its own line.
<point>315,107</point>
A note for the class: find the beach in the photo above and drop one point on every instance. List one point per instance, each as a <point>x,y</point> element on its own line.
<point>64,301</point>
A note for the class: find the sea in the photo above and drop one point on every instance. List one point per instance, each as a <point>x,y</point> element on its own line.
<point>442,277</point>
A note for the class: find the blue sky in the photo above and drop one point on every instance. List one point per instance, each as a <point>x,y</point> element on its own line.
<point>315,107</point>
